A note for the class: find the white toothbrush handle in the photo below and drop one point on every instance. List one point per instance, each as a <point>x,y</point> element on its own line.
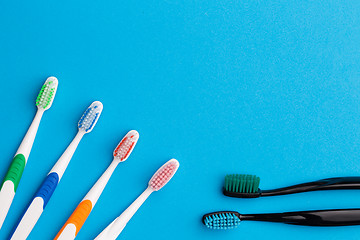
<point>83,210</point>
<point>112,231</point>
<point>13,176</point>
<point>28,141</point>
<point>95,192</point>
<point>38,204</point>
<point>61,165</point>
<point>29,219</point>
<point>7,194</point>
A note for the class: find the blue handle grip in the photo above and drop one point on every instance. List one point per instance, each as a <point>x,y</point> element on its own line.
<point>45,191</point>
<point>48,187</point>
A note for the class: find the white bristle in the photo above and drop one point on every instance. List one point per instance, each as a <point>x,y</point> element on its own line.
<point>90,117</point>
<point>126,145</point>
<point>164,175</point>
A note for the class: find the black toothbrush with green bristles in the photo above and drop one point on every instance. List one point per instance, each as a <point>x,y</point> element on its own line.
<point>247,186</point>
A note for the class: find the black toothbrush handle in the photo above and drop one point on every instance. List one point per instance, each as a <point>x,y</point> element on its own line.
<point>324,184</point>
<point>321,218</point>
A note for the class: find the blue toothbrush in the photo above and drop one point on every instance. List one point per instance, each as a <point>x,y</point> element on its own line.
<point>43,195</point>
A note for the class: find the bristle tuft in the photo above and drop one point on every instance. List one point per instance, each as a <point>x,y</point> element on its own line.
<point>242,183</point>
<point>125,147</point>
<point>164,174</point>
<point>47,93</point>
<point>225,220</point>
<point>90,117</point>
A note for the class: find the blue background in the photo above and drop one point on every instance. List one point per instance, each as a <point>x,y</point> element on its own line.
<point>224,86</point>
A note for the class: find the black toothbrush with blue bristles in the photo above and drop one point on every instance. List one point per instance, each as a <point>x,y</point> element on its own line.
<point>320,218</point>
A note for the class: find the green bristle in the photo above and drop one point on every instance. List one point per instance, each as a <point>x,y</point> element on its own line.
<point>242,183</point>
<point>46,95</point>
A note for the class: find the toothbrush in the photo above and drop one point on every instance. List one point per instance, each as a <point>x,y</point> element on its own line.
<point>320,218</point>
<point>44,193</point>
<point>158,181</point>
<point>247,186</point>
<point>83,210</point>
<point>12,178</point>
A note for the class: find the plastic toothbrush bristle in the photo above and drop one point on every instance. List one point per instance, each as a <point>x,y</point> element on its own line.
<point>47,93</point>
<point>125,147</point>
<point>242,183</point>
<point>90,117</point>
<point>224,220</point>
<point>163,175</point>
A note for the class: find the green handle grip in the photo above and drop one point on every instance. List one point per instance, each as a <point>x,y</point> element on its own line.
<point>15,171</point>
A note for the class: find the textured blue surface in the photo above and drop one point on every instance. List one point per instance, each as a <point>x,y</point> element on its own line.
<point>48,187</point>
<point>271,89</point>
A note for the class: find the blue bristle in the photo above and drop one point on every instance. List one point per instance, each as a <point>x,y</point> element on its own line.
<point>92,123</point>
<point>90,116</point>
<point>222,221</point>
<point>83,117</point>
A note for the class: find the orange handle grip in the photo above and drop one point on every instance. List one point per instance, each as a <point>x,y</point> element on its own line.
<point>78,217</point>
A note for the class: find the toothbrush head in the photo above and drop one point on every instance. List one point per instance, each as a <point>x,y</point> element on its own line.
<point>126,146</point>
<point>90,117</point>
<point>163,175</point>
<point>47,93</point>
<point>242,185</point>
<point>222,220</point>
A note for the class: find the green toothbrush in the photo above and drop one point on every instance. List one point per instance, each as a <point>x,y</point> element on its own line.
<point>13,176</point>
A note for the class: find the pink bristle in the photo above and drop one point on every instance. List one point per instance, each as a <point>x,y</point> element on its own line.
<point>164,174</point>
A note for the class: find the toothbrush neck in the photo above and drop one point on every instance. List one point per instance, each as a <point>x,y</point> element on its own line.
<point>95,192</point>
<point>132,209</point>
<point>27,142</point>
<point>124,218</point>
<point>65,158</point>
